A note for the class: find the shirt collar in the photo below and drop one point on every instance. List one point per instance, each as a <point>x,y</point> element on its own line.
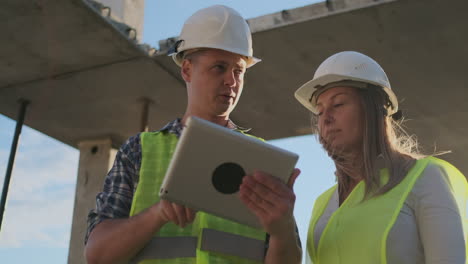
<point>175,127</point>
<point>233,126</point>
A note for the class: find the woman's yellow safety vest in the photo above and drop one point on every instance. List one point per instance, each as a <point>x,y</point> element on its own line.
<point>209,239</point>
<point>357,232</point>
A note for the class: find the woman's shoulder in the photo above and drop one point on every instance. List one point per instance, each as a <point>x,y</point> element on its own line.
<point>438,185</point>
<point>434,177</point>
<point>439,172</point>
<point>328,193</point>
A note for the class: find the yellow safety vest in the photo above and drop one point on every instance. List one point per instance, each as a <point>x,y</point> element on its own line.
<point>357,232</point>
<point>209,239</point>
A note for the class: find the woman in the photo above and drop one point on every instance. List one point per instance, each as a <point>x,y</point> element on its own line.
<point>390,204</point>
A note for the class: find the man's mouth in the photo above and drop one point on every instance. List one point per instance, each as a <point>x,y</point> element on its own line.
<point>227,96</point>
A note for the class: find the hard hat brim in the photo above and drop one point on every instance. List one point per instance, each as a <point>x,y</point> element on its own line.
<point>251,61</point>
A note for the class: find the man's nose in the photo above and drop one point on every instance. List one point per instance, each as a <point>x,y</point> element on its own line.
<point>230,79</point>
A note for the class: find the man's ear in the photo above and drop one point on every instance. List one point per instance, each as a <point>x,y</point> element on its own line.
<point>186,70</point>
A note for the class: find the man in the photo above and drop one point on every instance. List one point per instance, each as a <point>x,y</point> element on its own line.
<point>130,223</point>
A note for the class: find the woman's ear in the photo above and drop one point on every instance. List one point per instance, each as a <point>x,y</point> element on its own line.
<point>186,70</point>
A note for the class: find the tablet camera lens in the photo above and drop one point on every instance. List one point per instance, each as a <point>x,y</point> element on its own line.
<point>227,178</point>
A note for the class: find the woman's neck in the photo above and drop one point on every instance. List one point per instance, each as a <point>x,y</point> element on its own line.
<point>350,171</point>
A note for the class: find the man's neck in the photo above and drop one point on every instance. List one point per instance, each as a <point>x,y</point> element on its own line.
<point>220,120</point>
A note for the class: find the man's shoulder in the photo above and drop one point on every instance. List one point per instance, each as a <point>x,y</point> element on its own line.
<point>168,128</point>
<point>156,136</point>
<point>131,143</point>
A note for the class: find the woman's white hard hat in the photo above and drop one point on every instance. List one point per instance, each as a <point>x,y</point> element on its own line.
<point>346,66</point>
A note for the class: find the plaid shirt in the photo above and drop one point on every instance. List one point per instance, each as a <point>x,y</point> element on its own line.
<point>121,182</point>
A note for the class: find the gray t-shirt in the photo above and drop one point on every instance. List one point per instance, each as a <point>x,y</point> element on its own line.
<point>428,229</point>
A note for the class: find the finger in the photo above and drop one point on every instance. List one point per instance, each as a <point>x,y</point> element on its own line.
<point>262,191</point>
<point>272,183</point>
<point>245,198</point>
<point>169,212</point>
<point>180,214</point>
<point>256,199</point>
<point>189,214</point>
<point>293,177</point>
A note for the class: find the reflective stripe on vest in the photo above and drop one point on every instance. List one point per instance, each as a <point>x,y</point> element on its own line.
<point>217,240</point>
<point>231,244</point>
<point>168,247</point>
<point>357,232</point>
<point>212,240</point>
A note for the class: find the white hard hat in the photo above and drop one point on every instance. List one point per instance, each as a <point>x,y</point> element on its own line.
<point>217,27</point>
<point>346,66</point>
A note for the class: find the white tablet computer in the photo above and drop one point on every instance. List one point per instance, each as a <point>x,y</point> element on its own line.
<point>209,163</point>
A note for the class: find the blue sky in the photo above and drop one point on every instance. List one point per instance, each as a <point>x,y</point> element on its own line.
<point>37,219</point>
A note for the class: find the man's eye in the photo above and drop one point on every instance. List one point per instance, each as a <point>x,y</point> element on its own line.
<point>337,105</point>
<point>219,67</point>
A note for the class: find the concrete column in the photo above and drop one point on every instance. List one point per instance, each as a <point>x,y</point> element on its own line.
<point>130,12</point>
<point>96,158</point>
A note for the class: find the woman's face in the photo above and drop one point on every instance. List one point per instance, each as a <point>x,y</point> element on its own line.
<point>340,119</point>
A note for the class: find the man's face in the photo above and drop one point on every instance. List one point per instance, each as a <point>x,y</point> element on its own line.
<point>214,81</point>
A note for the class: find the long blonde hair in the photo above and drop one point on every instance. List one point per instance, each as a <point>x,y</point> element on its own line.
<point>385,145</point>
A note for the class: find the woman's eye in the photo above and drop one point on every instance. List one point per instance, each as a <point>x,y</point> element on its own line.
<point>337,105</point>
